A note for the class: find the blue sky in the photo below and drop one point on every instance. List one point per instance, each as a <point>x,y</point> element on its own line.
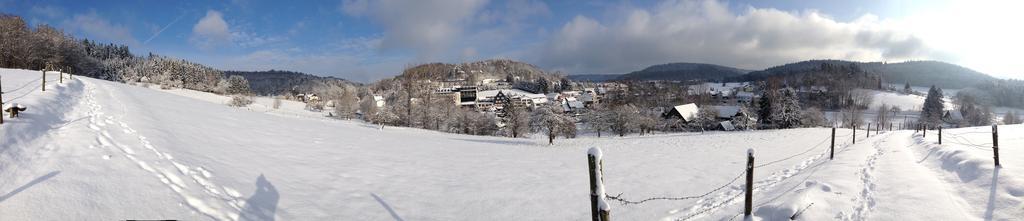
<point>369,40</point>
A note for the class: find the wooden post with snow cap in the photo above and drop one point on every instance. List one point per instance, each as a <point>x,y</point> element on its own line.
<point>599,208</point>
<point>832,150</point>
<point>995,144</point>
<point>748,199</point>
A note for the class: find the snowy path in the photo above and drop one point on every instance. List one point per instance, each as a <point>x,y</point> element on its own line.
<point>894,176</point>
<point>901,172</point>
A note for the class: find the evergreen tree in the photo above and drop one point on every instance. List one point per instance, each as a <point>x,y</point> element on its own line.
<point>786,113</point>
<point>906,88</point>
<point>542,85</point>
<point>931,113</point>
<point>764,108</point>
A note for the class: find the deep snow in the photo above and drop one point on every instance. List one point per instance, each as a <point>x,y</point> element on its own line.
<point>95,150</point>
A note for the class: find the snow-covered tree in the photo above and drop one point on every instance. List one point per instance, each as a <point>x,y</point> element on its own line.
<point>597,119</point>
<point>813,117</point>
<point>623,119</point>
<point>517,120</point>
<point>346,106</point>
<point>237,85</point>
<point>1011,117</point>
<point>550,121</point>
<point>706,119</point>
<point>368,107</point>
<point>786,113</point>
<point>933,108</point>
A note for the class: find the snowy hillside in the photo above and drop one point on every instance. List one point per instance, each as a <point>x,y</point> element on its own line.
<point>99,150</point>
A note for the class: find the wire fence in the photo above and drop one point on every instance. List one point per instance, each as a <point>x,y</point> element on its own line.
<point>729,198</point>
<point>808,166</point>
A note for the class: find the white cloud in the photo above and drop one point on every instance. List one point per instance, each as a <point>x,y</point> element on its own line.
<point>97,27</point>
<point>427,27</point>
<point>983,36</point>
<point>211,30</point>
<point>707,31</point>
<point>48,11</point>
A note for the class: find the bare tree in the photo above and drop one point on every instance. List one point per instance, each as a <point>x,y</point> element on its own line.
<point>550,121</point>
<point>598,119</point>
<point>517,120</point>
<point>623,119</point>
<point>347,105</point>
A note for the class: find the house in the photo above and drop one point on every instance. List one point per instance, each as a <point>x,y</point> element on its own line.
<point>728,112</point>
<point>572,105</point>
<point>514,96</point>
<point>744,97</point>
<point>952,117</point>
<point>686,112</point>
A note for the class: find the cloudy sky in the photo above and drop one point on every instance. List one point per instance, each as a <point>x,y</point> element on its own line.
<point>366,40</point>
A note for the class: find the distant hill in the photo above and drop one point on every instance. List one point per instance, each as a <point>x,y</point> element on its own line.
<point>594,77</point>
<point>475,71</point>
<point>684,72</point>
<point>523,75</point>
<point>917,73</point>
<point>277,82</point>
<point>927,73</point>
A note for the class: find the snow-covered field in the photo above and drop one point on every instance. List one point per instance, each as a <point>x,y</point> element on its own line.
<point>95,150</point>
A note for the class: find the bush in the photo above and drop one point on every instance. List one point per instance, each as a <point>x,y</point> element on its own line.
<point>240,101</point>
<point>277,103</point>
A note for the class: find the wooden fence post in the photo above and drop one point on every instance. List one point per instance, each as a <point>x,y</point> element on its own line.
<point>599,208</point>
<point>749,198</point>
<point>44,79</point>
<point>61,74</point>
<point>867,130</point>
<point>832,150</point>
<point>854,134</point>
<point>940,134</point>
<point>924,130</point>
<point>995,144</point>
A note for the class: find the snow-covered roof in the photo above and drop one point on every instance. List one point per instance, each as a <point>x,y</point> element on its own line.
<point>954,115</point>
<point>587,97</point>
<point>727,125</point>
<point>552,96</point>
<point>687,111</point>
<point>727,111</point>
<point>510,93</point>
<point>576,104</point>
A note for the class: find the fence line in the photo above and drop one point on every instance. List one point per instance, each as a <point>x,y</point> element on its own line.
<point>732,198</point>
<point>628,202</point>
